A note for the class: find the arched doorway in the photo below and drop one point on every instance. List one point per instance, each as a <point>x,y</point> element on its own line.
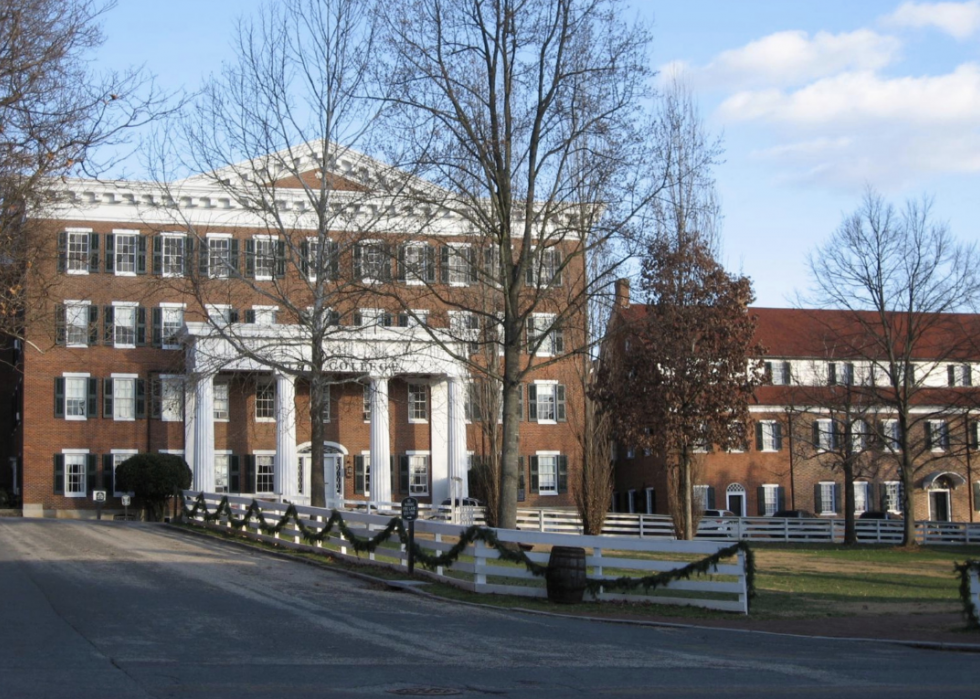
<point>735,499</point>
<point>333,472</point>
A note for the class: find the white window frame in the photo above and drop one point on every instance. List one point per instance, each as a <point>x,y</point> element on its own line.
<point>165,309</point>
<point>262,385</point>
<point>218,265</point>
<point>418,465</point>
<point>116,453</point>
<point>541,321</point>
<point>171,387</point>
<point>893,494</point>
<point>268,257</point>
<point>550,396</point>
<point>553,455</point>
<point>70,234</point>
<point>889,428</point>
<point>411,270</point>
<point>699,495</point>
<point>130,236</point>
<point>225,454</point>
<point>119,381</point>
<point>271,465</point>
<point>648,500</point>
<point>939,431</point>
<point>459,264</point>
<point>131,306</point>
<point>221,414</point>
<point>69,377</point>
<point>72,309</point>
<point>414,389</point>
<point>859,435</point>
<point>825,441</point>
<point>828,487</point>
<point>769,436</point>
<point>219,313</point>
<point>167,263</point>
<point>265,312</point>
<point>378,246</point>
<point>366,401</point>
<point>74,453</point>
<point>864,499</point>
<point>770,497</point>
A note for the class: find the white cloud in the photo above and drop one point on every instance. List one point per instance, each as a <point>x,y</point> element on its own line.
<point>792,58</point>
<point>958,19</point>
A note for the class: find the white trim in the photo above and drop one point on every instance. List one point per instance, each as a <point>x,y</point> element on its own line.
<point>554,454</point>
<point>125,233</point>
<point>64,486</point>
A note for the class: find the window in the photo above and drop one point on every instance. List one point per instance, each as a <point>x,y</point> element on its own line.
<point>172,250</point>
<point>840,373</point>
<point>362,473</point>
<point>892,496</point>
<point>770,500</point>
<point>118,456</point>
<point>824,435</point>
<point>418,404</point>
<point>168,403</point>
<point>326,403</point>
<point>890,434</point>
<point>959,375</point>
<point>221,401</point>
<point>261,257</point>
<point>221,314</point>
<point>220,259</point>
<point>779,373</point>
<point>124,322</point>
<point>701,445</point>
<point>547,474</point>
<point>544,268</point>
<point>265,473</point>
<point>76,397</point>
<point>700,498</point>
<point>366,402</point>
<point>262,315</point>
<point>125,250</point>
<point>171,321</point>
<point>371,262</point>
<point>464,327</point>
<point>768,435</point>
<point>312,262</point>
<point>367,317</point>
<point>937,435</point>
<point>265,400</point>
<point>222,460</point>
<point>859,436</point>
<point>78,315</point>
<point>546,402</point>
<point>79,251</point>
<point>457,265</point>
<point>416,263</point>
<point>540,329</point>
<point>862,496</point>
<point>472,408</point>
<point>825,501</point>
<point>418,474</point>
<point>123,398</point>
<point>76,469</point>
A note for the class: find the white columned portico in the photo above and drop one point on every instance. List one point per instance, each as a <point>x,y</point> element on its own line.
<point>286,472</point>
<point>204,434</point>
<point>457,439</point>
<point>380,441</point>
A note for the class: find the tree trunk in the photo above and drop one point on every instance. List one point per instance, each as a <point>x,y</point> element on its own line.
<point>687,497</point>
<point>850,536</point>
<point>507,512</point>
<point>317,495</point>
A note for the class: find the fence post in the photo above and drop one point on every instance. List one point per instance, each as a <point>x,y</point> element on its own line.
<point>641,526</point>
<point>540,520</point>
<point>479,560</point>
<point>597,553</point>
<point>743,596</point>
<point>975,588</point>
<point>438,541</point>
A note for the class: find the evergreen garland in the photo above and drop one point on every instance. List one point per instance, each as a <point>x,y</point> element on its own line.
<point>969,608</point>
<point>467,536</point>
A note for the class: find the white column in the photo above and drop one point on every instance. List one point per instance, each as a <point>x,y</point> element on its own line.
<point>380,441</point>
<point>439,440</point>
<point>190,427</point>
<point>204,434</point>
<point>287,470</point>
<point>457,439</point>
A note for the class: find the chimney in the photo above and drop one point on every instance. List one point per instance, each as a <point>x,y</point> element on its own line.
<point>623,293</point>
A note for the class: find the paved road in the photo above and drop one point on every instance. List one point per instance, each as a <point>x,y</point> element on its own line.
<point>120,610</point>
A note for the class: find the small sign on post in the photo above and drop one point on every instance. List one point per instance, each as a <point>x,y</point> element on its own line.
<point>126,499</point>
<point>99,497</point>
<point>410,513</point>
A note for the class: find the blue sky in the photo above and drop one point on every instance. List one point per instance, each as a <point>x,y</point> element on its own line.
<point>815,99</point>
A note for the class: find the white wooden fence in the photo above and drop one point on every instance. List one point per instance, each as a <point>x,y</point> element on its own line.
<point>481,570</point>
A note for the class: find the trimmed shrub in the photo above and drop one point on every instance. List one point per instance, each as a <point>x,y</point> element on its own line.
<point>153,478</point>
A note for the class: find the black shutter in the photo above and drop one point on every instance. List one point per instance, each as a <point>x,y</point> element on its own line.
<point>950,375</point>
<point>334,249</point>
<point>521,480</point>
<point>305,258</point>
<point>234,263</point>
<point>928,428</point>
<point>59,324</point>
<point>832,374</point>
<point>787,374</point>
<point>248,474</point>
<point>107,395</point>
<point>158,255</point>
<point>188,256</point>
<point>203,261</point>
<point>400,269</point>
<point>280,259</point>
<point>140,254</point>
<point>108,325</point>
<point>140,399</point>
<point>836,490</point>
<point>534,474</point>
<point>972,437</point>
<point>359,475</point>
<point>91,471</point>
<point>520,402</point>
<point>357,261</point>
<point>233,315</point>
<point>403,474</point>
<point>817,499</point>
<point>780,498</point>
<point>760,494</point>
<point>157,327</point>
<point>250,258</point>
<point>156,399</point>
<point>110,253</point>
<point>93,398</point>
<point>532,402</point>
<point>444,267</point>
<point>777,434</point>
<point>59,474</point>
<point>93,324</point>
<point>108,474</point>
<point>59,397</point>
<point>430,263</point>
<point>471,262</point>
<point>758,436</point>
<point>816,434</point>
<point>976,496</point>
<point>562,474</point>
<point>711,498</point>
<point>234,474</point>
<point>140,326</point>
<point>93,253</point>
<point>62,251</point>
<point>560,410</point>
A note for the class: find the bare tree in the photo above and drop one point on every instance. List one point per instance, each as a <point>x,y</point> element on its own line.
<point>274,132</point>
<point>899,278</point>
<point>58,118</point>
<point>501,104</point>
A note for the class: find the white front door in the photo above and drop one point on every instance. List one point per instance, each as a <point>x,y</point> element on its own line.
<point>333,479</point>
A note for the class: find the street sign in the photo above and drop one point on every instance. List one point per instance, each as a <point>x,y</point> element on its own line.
<point>410,509</point>
<point>126,500</point>
<point>98,495</point>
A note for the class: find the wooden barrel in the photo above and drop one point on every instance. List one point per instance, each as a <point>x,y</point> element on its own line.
<point>566,575</point>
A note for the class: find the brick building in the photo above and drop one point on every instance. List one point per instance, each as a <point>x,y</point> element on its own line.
<point>814,411</point>
<point>155,295</point>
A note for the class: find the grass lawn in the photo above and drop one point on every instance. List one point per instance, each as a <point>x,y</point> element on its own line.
<point>792,581</point>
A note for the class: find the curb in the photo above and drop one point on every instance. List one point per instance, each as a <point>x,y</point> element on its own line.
<point>412,588</point>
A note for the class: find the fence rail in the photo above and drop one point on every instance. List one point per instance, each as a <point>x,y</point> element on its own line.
<point>481,570</point>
